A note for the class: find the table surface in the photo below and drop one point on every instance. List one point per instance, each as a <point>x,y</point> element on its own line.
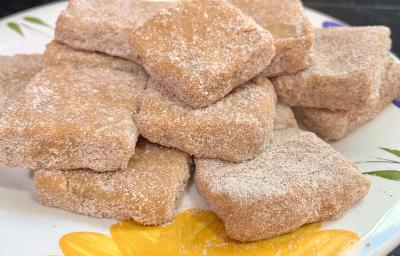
<point>353,12</point>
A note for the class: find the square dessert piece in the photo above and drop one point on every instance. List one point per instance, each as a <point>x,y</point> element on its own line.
<point>61,54</point>
<point>298,179</point>
<point>15,73</point>
<point>148,191</point>
<point>291,29</point>
<point>346,75</point>
<point>72,117</point>
<point>284,117</point>
<point>105,26</point>
<point>235,128</point>
<point>334,125</point>
<point>201,50</point>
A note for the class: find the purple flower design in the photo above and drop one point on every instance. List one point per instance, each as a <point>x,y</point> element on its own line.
<point>331,24</point>
<point>397,102</point>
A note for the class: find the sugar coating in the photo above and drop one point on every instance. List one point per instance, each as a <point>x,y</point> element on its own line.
<point>103,25</point>
<point>284,117</point>
<point>200,50</point>
<point>15,73</point>
<point>61,54</point>
<point>298,179</point>
<point>347,71</point>
<point>148,191</point>
<point>291,29</point>
<point>235,128</point>
<point>72,117</point>
<point>334,125</point>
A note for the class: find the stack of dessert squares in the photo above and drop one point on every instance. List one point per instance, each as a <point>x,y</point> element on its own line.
<point>134,97</point>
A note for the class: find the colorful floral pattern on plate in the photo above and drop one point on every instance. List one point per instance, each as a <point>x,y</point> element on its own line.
<point>330,24</point>
<point>387,174</point>
<point>191,230</point>
<point>397,102</point>
<point>198,232</point>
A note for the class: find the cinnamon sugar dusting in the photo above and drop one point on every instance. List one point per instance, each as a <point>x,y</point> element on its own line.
<point>193,75</point>
<point>347,71</point>
<point>200,50</point>
<point>234,128</point>
<point>105,26</point>
<point>70,118</point>
<point>334,125</point>
<point>61,54</point>
<point>297,179</point>
<point>292,31</point>
<point>284,117</point>
<point>15,73</point>
<point>148,191</point>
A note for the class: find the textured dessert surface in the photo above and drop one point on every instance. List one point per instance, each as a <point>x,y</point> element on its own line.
<point>291,29</point>
<point>235,128</point>
<point>347,72</point>
<point>334,125</point>
<point>60,54</point>
<point>105,26</point>
<point>15,73</point>
<point>298,179</point>
<point>284,117</point>
<point>201,50</point>
<point>72,117</point>
<point>148,191</point>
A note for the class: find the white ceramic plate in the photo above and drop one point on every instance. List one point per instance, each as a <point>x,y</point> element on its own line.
<point>27,228</point>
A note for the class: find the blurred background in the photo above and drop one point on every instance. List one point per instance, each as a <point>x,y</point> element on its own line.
<point>354,12</point>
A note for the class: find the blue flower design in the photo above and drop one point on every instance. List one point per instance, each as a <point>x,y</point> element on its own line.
<point>331,24</point>
<point>397,102</point>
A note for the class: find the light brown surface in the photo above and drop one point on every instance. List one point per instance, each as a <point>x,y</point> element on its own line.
<point>103,25</point>
<point>202,49</point>
<point>284,117</point>
<point>149,191</point>
<point>291,29</point>
<point>70,117</point>
<point>298,179</point>
<point>15,73</point>
<point>61,54</point>
<point>334,125</point>
<point>347,70</point>
<point>235,128</point>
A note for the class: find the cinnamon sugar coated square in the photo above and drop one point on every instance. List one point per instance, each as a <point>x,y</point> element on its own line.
<point>15,73</point>
<point>105,26</point>
<point>235,128</point>
<point>346,75</point>
<point>284,117</point>
<point>200,50</point>
<point>297,179</point>
<point>148,191</point>
<point>60,54</point>
<point>292,31</point>
<point>72,117</point>
<point>334,125</point>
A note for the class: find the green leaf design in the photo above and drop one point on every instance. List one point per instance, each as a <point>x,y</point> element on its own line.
<point>387,174</point>
<point>36,21</point>
<point>392,151</point>
<point>17,28</point>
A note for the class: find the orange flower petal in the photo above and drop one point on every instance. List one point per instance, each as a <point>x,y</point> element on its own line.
<point>88,244</point>
<point>199,232</point>
<point>135,239</point>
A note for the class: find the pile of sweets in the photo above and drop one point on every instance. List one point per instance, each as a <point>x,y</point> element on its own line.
<point>133,97</point>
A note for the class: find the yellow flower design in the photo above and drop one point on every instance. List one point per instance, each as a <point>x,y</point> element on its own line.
<point>198,232</point>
